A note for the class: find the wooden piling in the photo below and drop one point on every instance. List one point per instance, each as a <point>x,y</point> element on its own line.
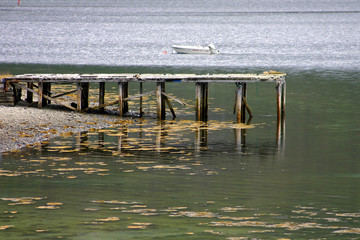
<point>239,103</point>
<point>82,96</point>
<point>160,100</point>
<point>201,99</point>
<point>29,94</point>
<point>243,108</point>
<point>123,94</point>
<point>280,100</point>
<point>141,99</point>
<point>101,95</point>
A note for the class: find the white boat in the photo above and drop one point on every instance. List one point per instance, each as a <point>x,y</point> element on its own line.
<point>210,49</point>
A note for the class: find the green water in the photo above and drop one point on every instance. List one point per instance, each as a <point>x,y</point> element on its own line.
<point>184,180</point>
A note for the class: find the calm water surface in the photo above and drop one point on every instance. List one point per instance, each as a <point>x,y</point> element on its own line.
<point>181,179</point>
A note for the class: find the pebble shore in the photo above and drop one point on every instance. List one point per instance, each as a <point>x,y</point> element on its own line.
<point>21,126</point>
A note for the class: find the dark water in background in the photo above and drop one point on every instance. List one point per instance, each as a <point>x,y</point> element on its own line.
<point>162,182</point>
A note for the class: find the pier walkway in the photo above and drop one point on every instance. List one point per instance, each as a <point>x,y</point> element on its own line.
<point>40,84</point>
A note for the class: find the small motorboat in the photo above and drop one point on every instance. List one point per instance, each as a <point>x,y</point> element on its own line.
<point>210,49</point>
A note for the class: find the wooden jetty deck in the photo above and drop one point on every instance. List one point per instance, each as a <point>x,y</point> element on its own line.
<point>40,84</point>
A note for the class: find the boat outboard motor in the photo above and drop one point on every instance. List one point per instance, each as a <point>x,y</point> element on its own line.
<point>212,48</point>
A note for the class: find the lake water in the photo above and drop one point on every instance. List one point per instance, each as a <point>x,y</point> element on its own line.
<point>182,179</point>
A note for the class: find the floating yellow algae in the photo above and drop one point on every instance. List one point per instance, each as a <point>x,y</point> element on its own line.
<point>237,238</point>
<point>91,163</point>
<point>71,177</point>
<point>182,167</point>
<point>118,208</point>
<point>348,215</point>
<point>59,147</point>
<point>194,214</point>
<point>265,231</point>
<point>41,230</point>
<point>113,202</point>
<point>239,224</point>
<point>109,219</point>
<point>141,211</point>
<point>235,209</point>
<point>139,225</point>
<point>138,206</point>
<point>348,231</point>
<point>9,173</point>
<point>11,212</point>
<point>54,204</point>
<point>296,226</point>
<point>237,218</point>
<point>48,207</point>
<point>22,200</point>
<point>6,227</point>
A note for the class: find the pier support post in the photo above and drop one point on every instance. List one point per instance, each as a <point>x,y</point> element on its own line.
<point>29,95</point>
<point>243,108</point>
<point>202,98</point>
<point>123,93</point>
<point>44,89</point>
<point>141,99</point>
<point>160,100</point>
<point>280,97</point>
<point>239,107</point>
<point>101,94</point>
<point>82,96</point>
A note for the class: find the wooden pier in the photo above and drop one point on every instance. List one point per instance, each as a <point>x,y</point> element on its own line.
<point>40,84</point>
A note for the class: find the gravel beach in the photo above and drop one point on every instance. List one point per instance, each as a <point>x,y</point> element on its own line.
<point>21,125</point>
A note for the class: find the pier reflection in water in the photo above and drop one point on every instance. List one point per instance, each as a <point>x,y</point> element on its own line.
<point>172,136</point>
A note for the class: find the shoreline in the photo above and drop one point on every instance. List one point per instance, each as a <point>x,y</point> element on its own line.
<point>21,125</point>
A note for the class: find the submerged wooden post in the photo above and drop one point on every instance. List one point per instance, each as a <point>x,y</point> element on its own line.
<point>160,100</point>
<point>283,99</point>
<point>101,95</point>
<point>82,96</point>
<point>29,95</point>
<point>280,97</point>
<point>123,93</point>
<point>243,109</point>
<point>239,104</point>
<point>202,98</point>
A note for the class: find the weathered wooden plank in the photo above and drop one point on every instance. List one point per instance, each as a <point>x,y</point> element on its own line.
<point>63,94</point>
<point>177,100</point>
<point>61,78</point>
<point>170,107</point>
